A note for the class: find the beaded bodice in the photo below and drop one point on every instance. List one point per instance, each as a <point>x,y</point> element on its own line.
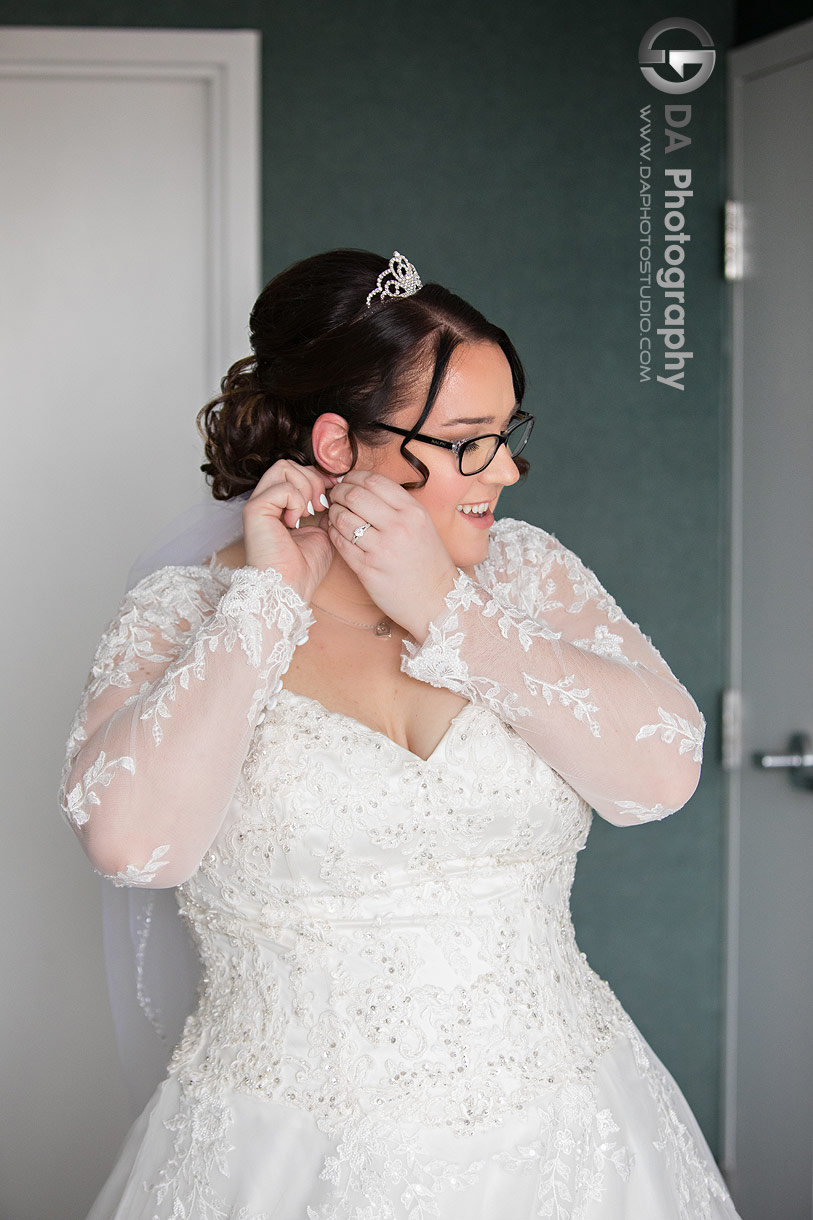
<point>387,935</point>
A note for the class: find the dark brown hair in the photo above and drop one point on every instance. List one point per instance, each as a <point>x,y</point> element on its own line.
<point>318,347</point>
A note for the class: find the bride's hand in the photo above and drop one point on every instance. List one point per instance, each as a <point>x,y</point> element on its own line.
<point>401,559</point>
<point>285,493</point>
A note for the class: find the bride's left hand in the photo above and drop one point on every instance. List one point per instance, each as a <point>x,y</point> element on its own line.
<point>401,559</point>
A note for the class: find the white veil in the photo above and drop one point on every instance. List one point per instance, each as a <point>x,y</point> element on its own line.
<point>152,966</point>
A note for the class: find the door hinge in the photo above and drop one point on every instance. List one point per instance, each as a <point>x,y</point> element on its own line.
<point>731,735</point>
<point>734,249</point>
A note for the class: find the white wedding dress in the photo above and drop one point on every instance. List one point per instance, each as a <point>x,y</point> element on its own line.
<point>395,1022</point>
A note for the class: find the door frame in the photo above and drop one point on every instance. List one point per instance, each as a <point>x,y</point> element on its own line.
<point>227,64</point>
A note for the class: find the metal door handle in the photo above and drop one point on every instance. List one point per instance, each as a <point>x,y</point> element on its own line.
<point>798,760</point>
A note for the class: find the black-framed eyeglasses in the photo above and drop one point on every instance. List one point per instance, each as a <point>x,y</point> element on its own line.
<point>475,454</point>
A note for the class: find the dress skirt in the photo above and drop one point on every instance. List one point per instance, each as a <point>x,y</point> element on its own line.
<point>247,1158</point>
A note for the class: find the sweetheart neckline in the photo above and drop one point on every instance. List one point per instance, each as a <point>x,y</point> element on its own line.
<point>218,568</point>
<point>359,725</point>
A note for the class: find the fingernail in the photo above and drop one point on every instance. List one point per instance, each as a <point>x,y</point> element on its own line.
<point>296,527</point>
<point>310,508</point>
<point>323,500</point>
<point>339,478</point>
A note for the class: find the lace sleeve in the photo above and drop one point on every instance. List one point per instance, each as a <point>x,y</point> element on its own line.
<point>543,645</point>
<point>177,686</point>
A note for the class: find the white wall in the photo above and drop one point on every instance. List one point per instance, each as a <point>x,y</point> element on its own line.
<point>129,246</point>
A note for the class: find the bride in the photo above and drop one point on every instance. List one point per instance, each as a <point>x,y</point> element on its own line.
<point>364,742</point>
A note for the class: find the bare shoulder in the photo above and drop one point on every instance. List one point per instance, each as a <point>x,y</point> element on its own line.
<point>233,556</point>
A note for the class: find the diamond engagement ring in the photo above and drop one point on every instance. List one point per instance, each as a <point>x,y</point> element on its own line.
<point>357,533</point>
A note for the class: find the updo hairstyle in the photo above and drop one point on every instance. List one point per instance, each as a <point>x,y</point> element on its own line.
<point>318,347</point>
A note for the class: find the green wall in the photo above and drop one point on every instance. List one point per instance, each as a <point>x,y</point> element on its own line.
<point>497,146</point>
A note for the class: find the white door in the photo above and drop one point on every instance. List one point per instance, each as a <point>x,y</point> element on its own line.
<point>770,1047</point>
<point>129,252</point>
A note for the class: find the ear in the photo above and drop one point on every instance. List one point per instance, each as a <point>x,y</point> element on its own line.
<point>330,443</point>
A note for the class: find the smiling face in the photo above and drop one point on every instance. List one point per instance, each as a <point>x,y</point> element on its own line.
<point>476,397</point>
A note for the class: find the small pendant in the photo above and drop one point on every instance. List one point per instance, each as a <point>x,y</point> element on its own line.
<point>384,629</point>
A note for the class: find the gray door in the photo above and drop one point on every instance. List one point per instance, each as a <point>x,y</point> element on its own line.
<point>770,1057</point>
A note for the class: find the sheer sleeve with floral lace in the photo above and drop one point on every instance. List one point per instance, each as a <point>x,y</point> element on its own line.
<point>538,641</point>
<point>174,693</point>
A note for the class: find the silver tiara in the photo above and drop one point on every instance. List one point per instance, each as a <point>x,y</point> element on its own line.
<point>399,280</point>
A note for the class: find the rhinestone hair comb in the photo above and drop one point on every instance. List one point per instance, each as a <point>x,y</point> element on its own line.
<point>400,279</point>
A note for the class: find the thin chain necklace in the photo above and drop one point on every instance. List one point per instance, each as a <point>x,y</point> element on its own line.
<point>382,628</point>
